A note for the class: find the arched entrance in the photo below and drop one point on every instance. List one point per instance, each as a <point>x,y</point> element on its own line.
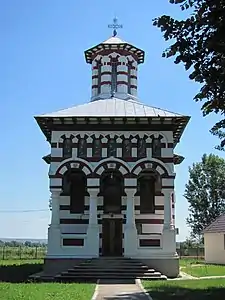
<point>112,190</point>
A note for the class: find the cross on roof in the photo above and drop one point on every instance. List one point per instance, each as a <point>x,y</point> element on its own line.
<point>115,26</point>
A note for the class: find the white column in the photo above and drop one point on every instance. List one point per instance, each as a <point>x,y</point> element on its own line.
<point>54,231</point>
<point>168,222</point>
<point>130,230</point>
<point>55,195</point>
<point>130,213</point>
<point>92,240</point>
<point>93,206</point>
<point>168,234</point>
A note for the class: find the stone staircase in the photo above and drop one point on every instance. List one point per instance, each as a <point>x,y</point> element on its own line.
<point>112,268</point>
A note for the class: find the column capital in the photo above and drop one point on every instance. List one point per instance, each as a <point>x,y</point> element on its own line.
<point>130,192</point>
<point>167,192</point>
<point>55,193</point>
<point>93,192</point>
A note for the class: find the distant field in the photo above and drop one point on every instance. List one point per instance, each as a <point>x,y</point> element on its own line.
<point>22,252</point>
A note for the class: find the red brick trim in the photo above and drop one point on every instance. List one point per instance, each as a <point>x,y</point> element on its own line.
<point>105,82</point>
<point>106,73</point>
<point>122,82</point>
<point>122,73</point>
<point>157,207</point>
<point>149,221</point>
<point>105,52</point>
<point>149,243</point>
<point>73,242</point>
<point>74,221</point>
<point>168,187</point>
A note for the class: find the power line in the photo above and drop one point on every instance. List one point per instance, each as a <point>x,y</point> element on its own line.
<point>23,211</point>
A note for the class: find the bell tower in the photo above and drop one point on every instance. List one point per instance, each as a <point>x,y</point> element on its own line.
<point>114,67</point>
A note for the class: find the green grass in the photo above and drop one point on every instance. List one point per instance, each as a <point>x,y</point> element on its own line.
<point>46,291</point>
<point>18,262</point>
<point>198,268</point>
<point>190,261</point>
<point>204,289</point>
<point>19,270</point>
<point>203,271</point>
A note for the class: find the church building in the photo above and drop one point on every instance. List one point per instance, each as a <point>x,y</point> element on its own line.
<point>111,168</point>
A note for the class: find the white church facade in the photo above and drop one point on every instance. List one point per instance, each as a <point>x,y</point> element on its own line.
<point>111,169</point>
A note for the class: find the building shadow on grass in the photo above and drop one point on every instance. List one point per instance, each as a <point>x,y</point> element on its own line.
<point>182,293</point>
<point>18,273</point>
<point>129,296</point>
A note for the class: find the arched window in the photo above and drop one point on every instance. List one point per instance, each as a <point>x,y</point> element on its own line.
<point>156,147</point>
<point>75,186</point>
<point>112,148</point>
<point>99,68</point>
<point>129,67</point>
<point>112,189</point>
<point>82,148</point>
<point>127,149</point>
<point>141,148</point>
<point>114,76</point>
<point>77,191</point>
<point>65,185</point>
<point>67,147</point>
<point>97,148</point>
<point>148,185</point>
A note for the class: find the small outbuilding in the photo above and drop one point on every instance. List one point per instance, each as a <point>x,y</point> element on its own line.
<point>214,241</point>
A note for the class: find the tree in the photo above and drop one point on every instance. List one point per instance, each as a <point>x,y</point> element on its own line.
<point>205,193</point>
<point>199,43</point>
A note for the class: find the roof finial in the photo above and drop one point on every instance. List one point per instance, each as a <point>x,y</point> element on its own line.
<point>115,26</point>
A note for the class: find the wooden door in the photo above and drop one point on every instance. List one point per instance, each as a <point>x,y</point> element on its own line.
<point>112,237</point>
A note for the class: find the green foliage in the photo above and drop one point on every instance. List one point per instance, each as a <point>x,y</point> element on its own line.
<point>199,43</point>
<point>205,192</point>
<point>22,252</point>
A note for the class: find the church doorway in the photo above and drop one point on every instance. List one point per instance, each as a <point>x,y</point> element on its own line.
<point>112,237</point>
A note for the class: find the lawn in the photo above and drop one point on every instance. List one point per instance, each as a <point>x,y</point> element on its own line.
<point>18,262</point>
<point>198,268</point>
<point>204,289</point>
<point>46,291</point>
<point>190,261</point>
<point>19,270</point>
<point>14,274</point>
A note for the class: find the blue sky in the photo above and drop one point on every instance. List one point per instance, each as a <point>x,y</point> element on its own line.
<point>43,70</point>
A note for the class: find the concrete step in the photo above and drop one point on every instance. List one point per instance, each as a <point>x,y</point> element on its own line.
<point>111,263</point>
<point>131,267</point>
<point>106,274</point>
<point>110,270</point>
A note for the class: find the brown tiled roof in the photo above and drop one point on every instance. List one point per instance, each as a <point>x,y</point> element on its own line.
<point>217,226</point>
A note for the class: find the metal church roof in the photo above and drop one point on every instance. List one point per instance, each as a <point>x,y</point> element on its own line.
<point>112,44</point>
<point>113,107</point>
<point>217,226</point>
<point>114,40</point>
